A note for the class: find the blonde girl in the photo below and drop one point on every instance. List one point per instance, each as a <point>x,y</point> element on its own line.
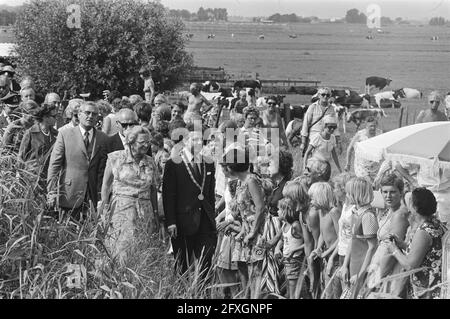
<point>364,233</point>
<point>291,243</point>
<point>322,199</point>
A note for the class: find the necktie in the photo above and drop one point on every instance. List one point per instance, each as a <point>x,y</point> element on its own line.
<point>86,140</point>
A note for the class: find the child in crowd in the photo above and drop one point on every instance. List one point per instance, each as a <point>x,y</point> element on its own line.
<point>345,221</point>
<point>322,198</point>
<point>323,145</point>
<point>160,154</point>
<point>291,243</point>
<point>241,103</point>
<point>297,191</point>
<point>149,85</point>
<point>364,235</point>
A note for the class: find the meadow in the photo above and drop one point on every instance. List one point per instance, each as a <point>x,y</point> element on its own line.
<point>338,55</point>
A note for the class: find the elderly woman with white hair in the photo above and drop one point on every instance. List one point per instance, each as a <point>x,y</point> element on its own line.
<point>71,113</point>
<point>133,178</point>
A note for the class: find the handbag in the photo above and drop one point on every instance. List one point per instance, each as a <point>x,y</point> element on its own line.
<point>310,126</point>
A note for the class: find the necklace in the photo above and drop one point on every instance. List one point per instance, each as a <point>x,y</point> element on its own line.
<point>185,161</point>
<point>46,134</point>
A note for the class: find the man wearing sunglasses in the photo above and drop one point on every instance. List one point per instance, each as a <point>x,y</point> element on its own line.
<point>126,119</point>
<point>313,122</point>
<point>432,114</point>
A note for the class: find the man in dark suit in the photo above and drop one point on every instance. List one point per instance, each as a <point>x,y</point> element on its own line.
<point>77,164</point>
<point>126,118</point>
<point>188,201</point>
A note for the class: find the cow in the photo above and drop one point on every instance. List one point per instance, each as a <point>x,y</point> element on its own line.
<point>261,37</point>
<point>189,35</point>
<point>347,98</point>
<point>211,36</point>
<point>376,82</point>
<point>210,86</point>
<point>390,95</point>
<point>292,36</point>
<point>412,93</point>
<point>240,84</point>
<point>360,115</point>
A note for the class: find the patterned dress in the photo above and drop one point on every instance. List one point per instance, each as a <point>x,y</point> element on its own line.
<point>425,279</point>
<point>247,211</point>
<point>131,208</point>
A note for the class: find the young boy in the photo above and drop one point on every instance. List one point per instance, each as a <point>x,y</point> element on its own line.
<point>323,145</point>
<point>149,85</point>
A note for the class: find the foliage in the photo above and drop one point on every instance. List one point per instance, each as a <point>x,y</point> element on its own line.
<point>437,21</point>
<point>386,21</point>
<point>7,17</point>
<point>209,14</point>
<point>354,16</point>
<point>116,38</point>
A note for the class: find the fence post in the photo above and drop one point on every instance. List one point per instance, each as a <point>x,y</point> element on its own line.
<point>400,117</point>
<point>407,116</point>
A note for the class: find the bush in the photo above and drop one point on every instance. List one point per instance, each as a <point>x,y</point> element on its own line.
<point>116,38</point>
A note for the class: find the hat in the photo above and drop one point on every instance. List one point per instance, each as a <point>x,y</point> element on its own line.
<point>329,119</point>
<point>7,68</point>
<point>11,98</point>
<point>324,90</point>
<point>29,107</point>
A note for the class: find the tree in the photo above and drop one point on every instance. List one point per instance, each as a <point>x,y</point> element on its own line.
<point>437,21</point>
<point>116,38</point>
<point>202,14</point>
<point>354,16</point>
<point>386,21</point>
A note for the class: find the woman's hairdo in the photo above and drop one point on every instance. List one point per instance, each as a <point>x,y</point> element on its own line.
<point>359,191</point>
<point>286,162</point>
<point>250,109</point>
<point>237,160</point>
<point>143,111</point>
<point>133,133</point>
<point>424,201</point>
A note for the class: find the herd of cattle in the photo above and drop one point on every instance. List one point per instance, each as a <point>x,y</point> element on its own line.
<point>348,104</point>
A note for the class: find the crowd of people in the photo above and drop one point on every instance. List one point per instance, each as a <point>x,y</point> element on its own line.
<point>228,197</point>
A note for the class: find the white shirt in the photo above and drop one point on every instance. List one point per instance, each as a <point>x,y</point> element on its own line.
<point>122,138</point>
<point>90,132</point>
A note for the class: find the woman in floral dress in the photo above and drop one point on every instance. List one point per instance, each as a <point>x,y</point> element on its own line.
<point>248,251</point>
<point>425,247</point>
<point>133,177</point>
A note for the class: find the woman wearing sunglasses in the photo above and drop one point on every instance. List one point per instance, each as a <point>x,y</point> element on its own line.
<point>272,119</point>
<point>323,145</point>
<point>313,122</point>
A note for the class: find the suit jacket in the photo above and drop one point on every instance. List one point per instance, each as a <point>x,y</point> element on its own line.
<point>71,168</point>
<point>115,144</point>
<point>180,198</point>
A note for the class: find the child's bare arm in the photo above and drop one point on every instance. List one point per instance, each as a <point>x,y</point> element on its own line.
<point>336,159</point>
<point>308,152</point>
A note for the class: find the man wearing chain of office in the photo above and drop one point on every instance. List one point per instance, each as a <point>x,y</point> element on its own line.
<point>188,201</point>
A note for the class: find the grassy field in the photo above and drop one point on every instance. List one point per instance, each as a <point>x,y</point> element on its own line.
<point>338,55</point>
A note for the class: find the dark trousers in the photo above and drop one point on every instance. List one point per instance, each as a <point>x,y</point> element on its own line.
<point>185,248</point>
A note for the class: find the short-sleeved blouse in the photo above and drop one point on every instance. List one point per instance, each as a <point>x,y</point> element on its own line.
<point>130,178</point>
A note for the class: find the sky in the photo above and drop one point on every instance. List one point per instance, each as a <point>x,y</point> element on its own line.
<point>409,9</point>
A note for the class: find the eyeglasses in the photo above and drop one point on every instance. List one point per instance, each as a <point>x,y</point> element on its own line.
<point>90,113</point>
<point>435,101</point>
<point>331,127</point>
<point>272,103</point>
<point>126,125</point>
<point>325,95</point>
<point>143,142</point>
